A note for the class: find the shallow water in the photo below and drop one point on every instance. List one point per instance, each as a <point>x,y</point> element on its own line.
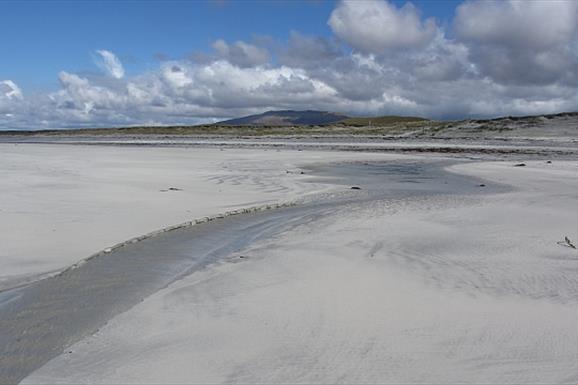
<point>394,179</point>
<point>38,321</point>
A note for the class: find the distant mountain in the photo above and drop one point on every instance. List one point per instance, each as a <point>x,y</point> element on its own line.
<point>286,118</point>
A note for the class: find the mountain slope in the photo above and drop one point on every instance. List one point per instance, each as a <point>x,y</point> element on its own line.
<point>286,118</point>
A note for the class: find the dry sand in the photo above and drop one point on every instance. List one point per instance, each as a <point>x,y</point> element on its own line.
<point>439,289</point>
<point>61,203</point>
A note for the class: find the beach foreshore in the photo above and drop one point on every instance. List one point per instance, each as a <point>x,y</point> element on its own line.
<point>61,204</point>
<point>506,146</point>
<point>471,283</point>
<point>39,320</point>
<point>434,289</point>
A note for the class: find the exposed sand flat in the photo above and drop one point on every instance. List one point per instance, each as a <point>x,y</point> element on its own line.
<point>437,289</point>
<point>60,204</point>
<point>546,146</point>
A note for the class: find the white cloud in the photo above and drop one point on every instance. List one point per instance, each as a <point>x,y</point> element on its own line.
<point>176,75</point>
<point>81,93</point>
<point>10,90</point>
<point>110,63</point>
<point>375,26</point>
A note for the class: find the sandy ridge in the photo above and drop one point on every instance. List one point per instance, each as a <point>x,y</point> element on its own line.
<point>248,210</point>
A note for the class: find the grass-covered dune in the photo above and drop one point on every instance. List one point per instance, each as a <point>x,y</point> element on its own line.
<point>320,123</point>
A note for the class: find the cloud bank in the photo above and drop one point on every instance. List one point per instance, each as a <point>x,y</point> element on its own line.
<point>495,58</point>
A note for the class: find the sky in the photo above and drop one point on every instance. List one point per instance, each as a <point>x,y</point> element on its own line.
<point>119,63</point>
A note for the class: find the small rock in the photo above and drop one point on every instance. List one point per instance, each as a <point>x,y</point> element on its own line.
<point>482,185</point>
<point>175,189</point>
<point>548,161</point>
<point>355,188</point>
<point>520,165</point>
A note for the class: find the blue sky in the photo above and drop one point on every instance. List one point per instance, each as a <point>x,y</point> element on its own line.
<point>62,34</point>
<point>520,56</point>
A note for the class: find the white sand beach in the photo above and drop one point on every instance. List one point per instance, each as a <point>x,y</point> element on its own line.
<point>289,192</point>
<point>436,289</point>
<point>61,203</point>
